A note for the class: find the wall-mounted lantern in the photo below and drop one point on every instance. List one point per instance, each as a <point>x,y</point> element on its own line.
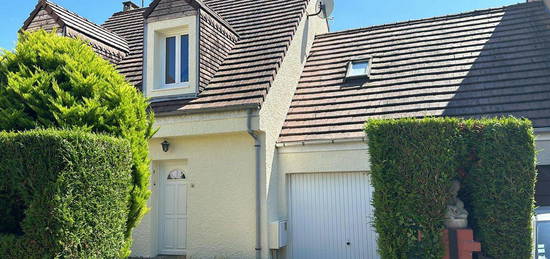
<point>165,146</point>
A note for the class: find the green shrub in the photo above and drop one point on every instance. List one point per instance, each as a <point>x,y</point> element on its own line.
<point>499,186</point>
<point>51,81</point>
<point>413,163</point>
<point>71,194</point>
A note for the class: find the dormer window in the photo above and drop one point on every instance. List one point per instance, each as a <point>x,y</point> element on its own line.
<point>176,61</point>
<point>171,59</point>
<point>359,68</point>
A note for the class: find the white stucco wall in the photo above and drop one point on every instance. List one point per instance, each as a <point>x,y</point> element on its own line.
<point>220,158</point>
<point>275,108</point>
<point>220,198</point>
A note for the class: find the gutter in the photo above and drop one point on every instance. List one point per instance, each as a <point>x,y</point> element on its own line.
<point>198,48</point>
<point>317,142</point>
<point>360,139</point>
<point>229,108</point>
<point>257,147</point>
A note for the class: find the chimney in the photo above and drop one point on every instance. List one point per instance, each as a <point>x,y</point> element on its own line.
<point>129,5</point>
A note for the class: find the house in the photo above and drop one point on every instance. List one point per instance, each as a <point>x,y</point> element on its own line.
<point>260,150</point>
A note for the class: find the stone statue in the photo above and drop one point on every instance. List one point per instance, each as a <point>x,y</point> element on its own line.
<point>456,216</point>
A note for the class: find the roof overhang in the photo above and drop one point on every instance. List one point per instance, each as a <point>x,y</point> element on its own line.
<point>44,4</point>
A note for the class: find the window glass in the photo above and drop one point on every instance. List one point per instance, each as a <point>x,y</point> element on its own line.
<point>184,55</point>
<point>170,73</point>
<point>176,175</point>
<point>543,240</point>
<point>358,68</point>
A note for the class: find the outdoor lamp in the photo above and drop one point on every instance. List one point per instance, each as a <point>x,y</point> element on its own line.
<point>165,146</point>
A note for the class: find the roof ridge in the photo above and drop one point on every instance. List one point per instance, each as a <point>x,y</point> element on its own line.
<point>74,13</point>
<point>129,11</point>
<point>424,20</point>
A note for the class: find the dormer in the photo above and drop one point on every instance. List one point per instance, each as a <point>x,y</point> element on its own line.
<point>50,16</point>
<point>185,43</point>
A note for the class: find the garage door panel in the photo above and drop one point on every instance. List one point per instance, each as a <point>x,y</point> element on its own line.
<point>330,216</point>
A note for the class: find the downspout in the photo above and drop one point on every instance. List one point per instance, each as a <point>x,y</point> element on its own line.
<point>198,48</point>
<point>257,146</point>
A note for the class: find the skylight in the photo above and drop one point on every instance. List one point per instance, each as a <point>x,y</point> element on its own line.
<point>359,68</point>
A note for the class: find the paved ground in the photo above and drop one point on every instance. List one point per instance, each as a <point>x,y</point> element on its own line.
<point>165,257</point>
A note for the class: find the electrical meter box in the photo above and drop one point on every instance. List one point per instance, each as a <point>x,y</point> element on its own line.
<point>278,231</point>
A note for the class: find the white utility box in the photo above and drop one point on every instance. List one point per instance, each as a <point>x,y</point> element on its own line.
<point>278,234</point>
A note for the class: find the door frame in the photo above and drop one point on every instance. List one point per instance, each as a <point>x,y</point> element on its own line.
<point>161,175</point>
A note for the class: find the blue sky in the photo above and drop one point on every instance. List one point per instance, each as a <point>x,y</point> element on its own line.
<point>348,14</point>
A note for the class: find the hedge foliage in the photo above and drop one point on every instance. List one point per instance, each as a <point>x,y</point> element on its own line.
<point>51,81</point>
<point>64,194</point>
<point>500,185</point>
<point>414,162</point>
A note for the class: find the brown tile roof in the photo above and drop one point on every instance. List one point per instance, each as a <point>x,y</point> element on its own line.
<point>265,29</point>
<point>82,25</point>
<point>485,63</point>
<point>130,26</point>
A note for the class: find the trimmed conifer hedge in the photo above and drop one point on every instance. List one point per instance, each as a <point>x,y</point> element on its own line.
<point>50,81</point>
<point>412,165</point>
<point>500,185</point>
<point>413,162</point>
<point>64,194</point>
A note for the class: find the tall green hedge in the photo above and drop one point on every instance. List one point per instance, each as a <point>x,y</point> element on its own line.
<point>413,164</point>
<point>499,185</point>
<point>51,81</point>
<point>64,194</point>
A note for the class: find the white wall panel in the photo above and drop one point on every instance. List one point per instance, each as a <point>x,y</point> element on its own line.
<point>331,216</point>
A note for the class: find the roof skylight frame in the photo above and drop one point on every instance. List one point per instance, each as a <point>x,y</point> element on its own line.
<point>362,60</point>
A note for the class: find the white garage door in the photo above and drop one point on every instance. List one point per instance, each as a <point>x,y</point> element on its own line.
<point>331,216</point>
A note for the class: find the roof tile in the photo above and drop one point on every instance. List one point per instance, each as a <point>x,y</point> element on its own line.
<point>130,25</point>
<point>485,63</point>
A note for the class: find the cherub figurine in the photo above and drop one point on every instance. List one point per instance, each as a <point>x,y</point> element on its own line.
<point>456,216</point>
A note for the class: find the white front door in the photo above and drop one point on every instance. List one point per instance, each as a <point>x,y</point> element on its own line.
<point>331,216</point>
<point>172,209</point>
